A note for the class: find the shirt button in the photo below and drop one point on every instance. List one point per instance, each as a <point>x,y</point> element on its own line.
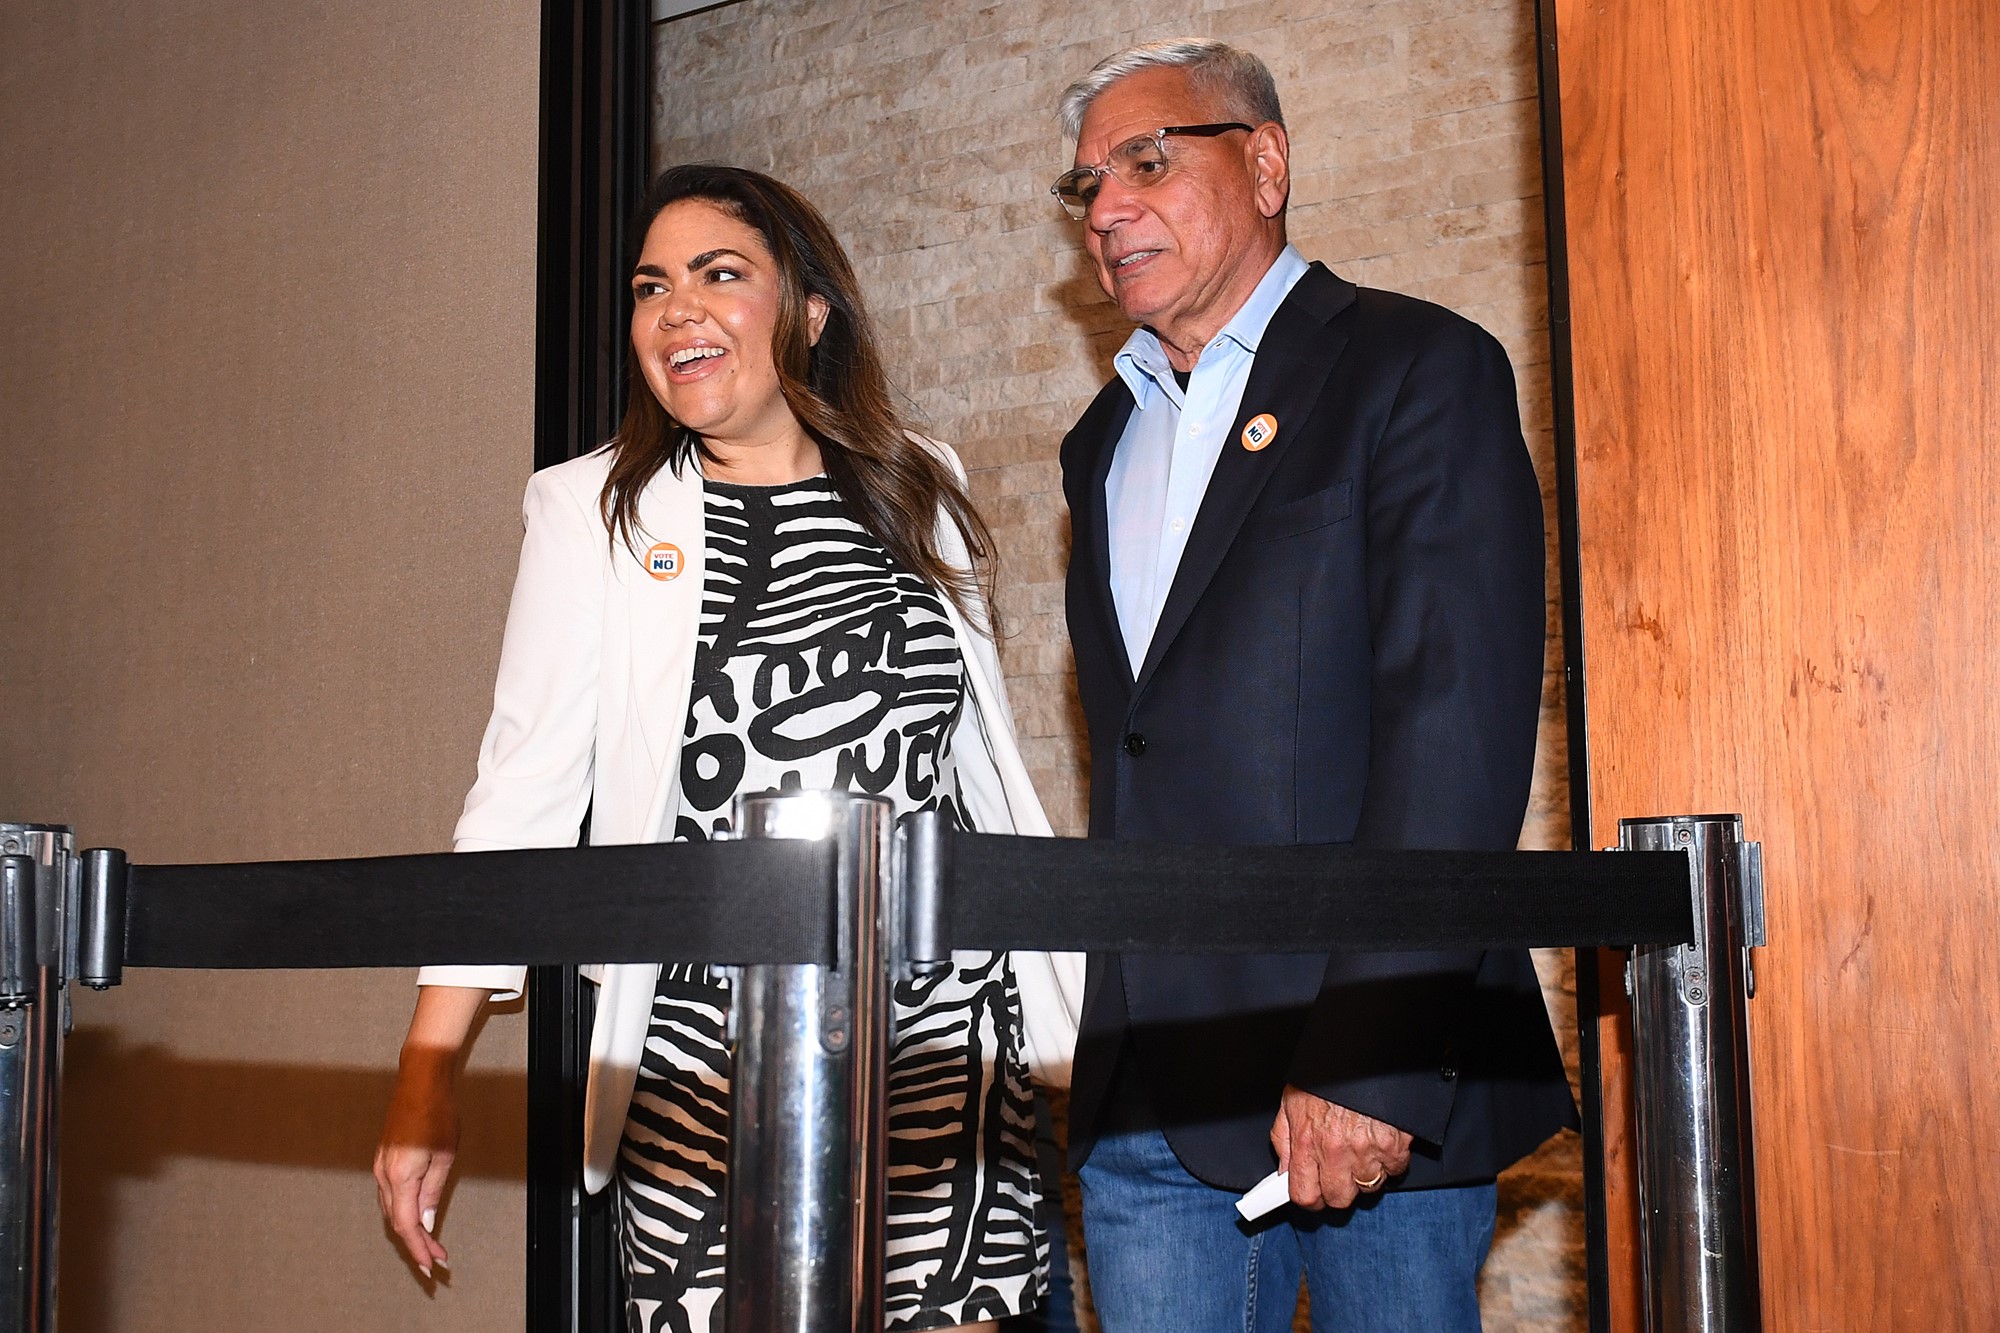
<point>1135,744</point>
<point>1176,525</point>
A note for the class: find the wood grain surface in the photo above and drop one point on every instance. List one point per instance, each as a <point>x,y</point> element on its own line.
<point>1786,311</point>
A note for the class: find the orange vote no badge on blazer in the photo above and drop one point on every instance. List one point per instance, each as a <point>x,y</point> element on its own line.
<point>664,561</point>
<point>1262,429</point>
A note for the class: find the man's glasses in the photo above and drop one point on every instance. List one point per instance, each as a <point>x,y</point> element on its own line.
<point>1138,162</point>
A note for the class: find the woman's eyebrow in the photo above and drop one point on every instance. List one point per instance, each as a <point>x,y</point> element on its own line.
<point>707,257</point>
<point>699,262</point>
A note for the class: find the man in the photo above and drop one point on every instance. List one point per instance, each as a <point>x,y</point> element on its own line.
<point>1305,594</point>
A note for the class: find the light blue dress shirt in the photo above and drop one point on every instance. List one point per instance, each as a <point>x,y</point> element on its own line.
<point>1161,468</point>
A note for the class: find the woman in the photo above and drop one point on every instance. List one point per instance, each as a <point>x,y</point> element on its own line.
<point>763,581</point>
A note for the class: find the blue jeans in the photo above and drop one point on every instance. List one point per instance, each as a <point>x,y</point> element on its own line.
<point>1168,1252</point>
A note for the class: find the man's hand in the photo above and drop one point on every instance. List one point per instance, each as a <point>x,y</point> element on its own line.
<point>1332,1154</point>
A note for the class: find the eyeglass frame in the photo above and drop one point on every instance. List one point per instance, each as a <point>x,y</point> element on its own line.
<point>1159,137</point>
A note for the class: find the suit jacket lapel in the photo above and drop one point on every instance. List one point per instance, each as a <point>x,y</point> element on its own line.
<point>665,626</point>
<point>1097,434</point>
<point>1294,358</point>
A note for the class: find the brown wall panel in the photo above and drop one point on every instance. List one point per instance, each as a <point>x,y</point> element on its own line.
<point>1786,312</point>
<point>266,377</point>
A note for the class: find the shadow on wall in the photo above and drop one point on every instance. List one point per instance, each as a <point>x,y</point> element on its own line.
<point>1101,325</point>
<point>141,1108</point>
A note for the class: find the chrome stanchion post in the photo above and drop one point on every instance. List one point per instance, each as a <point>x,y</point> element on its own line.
<point>1691,1084</point>
<point>809,1129</point>
<point>37,899</point>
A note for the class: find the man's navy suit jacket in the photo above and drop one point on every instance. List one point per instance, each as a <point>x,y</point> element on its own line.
<point>1351,652</point>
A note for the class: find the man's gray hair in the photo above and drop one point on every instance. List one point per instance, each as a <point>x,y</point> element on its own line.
<point>1239,81</point>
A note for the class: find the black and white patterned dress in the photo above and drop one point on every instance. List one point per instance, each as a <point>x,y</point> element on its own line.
<point>824,664</point>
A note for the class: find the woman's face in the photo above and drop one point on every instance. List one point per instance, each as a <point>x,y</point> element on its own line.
<point>704,313</point>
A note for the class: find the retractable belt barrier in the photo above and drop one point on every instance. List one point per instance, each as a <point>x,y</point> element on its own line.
<point>774,902</point>
<point>819,901</point>
<point>677,902</point>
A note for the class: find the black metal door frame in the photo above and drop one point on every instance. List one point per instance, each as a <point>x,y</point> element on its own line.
<point>595,98</point>
<point>1562,401</point>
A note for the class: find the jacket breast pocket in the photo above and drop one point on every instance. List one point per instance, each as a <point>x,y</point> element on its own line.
<point>1308,513</point>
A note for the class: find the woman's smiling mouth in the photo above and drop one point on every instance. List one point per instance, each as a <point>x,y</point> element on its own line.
<point>688,361</point>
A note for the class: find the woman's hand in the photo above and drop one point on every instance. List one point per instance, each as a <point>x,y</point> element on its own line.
<point>413,1160</point>
<point>420,1131</point>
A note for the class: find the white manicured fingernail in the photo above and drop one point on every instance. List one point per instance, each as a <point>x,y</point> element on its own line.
<point>430,1219</point>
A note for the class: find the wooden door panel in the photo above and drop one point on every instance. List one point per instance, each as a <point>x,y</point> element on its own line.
<point>1782,219</point>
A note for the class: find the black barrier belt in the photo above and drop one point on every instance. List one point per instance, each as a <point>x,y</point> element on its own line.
<point>772,901</point>
<point>1131,897</point>
<point>768,901</point>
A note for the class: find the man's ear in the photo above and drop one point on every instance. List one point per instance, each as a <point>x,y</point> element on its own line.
<point>816,312</point>
<point>1270,167</point>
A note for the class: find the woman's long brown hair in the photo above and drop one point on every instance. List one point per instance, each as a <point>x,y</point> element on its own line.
<point>836,388</point>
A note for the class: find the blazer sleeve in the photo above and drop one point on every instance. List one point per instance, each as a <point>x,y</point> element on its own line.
<point>536,758</point>
<point>1457,620</point>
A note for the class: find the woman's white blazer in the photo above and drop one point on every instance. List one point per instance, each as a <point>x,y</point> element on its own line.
<point>588,713</point>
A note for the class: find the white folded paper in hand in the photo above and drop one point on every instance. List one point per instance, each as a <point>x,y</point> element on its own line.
<point>1267,1195</point>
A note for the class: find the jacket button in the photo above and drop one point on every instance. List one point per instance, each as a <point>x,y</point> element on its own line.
<point>1135,744</point>
<point>1447,1073</point>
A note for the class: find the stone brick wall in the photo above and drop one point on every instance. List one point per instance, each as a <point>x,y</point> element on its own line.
<point>925,131</point>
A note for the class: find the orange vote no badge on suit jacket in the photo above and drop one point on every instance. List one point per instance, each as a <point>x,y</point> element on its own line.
<point>1260,431</point>
<point>664,561</point>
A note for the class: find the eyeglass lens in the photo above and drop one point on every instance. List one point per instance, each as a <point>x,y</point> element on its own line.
<point>1137,163</point>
